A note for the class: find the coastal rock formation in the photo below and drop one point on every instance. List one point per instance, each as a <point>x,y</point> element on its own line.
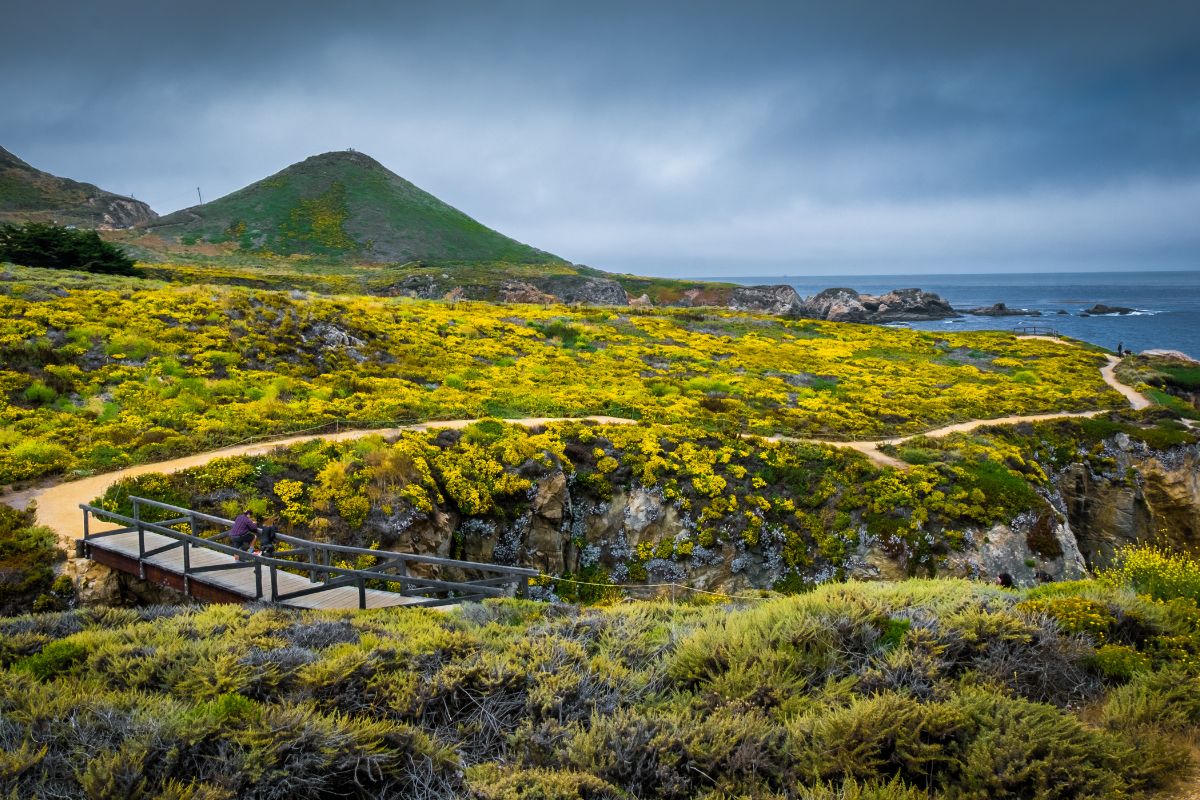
<point>1100,309</point>
<point>899,305</point>
<point>779,299</point>
<point>1002,310</point>
<point>98,585</point>
<point>584,289</point>
<point>523,292</point>
<point>1140,496</point>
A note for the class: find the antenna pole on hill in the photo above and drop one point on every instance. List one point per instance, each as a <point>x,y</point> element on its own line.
<point>199,195</point>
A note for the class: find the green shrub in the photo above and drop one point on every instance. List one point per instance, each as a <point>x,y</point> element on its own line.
<point>38,244</point>
<point>27,556</point>
<point>55,659</point>
<point>1119,662</point>
<point>495,782</point>
<point>1029,751</point>
<point>39,394</point>
<point>1158,573</point>
<point>1168,700</point>
<point>887,736</point>
<point>868,790</point>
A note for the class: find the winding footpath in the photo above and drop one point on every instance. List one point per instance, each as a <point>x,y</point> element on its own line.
<point>58,505</point>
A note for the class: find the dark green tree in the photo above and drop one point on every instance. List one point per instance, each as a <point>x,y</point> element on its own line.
<point>39,244</point>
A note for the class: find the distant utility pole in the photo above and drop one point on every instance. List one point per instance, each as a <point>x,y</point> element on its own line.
<point>199,195</point>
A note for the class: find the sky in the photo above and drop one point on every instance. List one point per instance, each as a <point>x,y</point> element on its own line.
<point>666,138</point>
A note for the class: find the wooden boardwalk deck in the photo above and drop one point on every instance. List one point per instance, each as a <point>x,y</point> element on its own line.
<point>242,582</point>
<point>186,552</point>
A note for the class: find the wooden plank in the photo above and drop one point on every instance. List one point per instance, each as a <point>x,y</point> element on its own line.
<point>120,550</point>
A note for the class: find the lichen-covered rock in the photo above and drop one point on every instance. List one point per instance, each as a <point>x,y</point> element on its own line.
<point>779,299</point>
<point>898,305</point>
<point>1145,496</point>
<point>1007,549</point>
<point>586,290</point>
<point>98,585</point>
<point>523,292</point>
<point>838,305</point>
<point>1002,310</point>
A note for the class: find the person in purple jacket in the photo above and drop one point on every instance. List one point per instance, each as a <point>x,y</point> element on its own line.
<point>241,535</point>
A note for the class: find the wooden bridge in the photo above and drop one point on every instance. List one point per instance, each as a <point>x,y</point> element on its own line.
<point>1025,329</point>
<point>172,552</point>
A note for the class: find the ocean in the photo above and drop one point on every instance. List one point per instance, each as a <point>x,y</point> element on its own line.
<point>1167,303</point>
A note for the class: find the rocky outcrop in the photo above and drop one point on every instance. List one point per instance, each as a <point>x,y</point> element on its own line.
<point>1100,309</point>
<point>898,305</point>
<point>118,213</point>
<point>779,299</point>
<point>522,292</point>
<point>1001,310</point>
<point>98,585</point>
<point>1140,496</point>
<point>585,289</point>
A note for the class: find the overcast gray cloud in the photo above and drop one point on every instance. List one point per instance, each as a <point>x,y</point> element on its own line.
<point>671,138</point>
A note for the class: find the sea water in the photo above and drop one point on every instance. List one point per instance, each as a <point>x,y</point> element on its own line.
<point>1166,315</point>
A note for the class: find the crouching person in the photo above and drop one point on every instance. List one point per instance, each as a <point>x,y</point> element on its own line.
<point>241,535</point>
<point>267,536</point>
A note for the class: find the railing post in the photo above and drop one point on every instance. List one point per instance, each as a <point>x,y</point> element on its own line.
<point>522,586</point>
<point>310,555</point>
<point>257,579</point>
<point>187,566</point>
<point>274,586</point>
<point>85,524</point>
<point>402,571</point>
<point>137,518</point>
<point>362,592</point>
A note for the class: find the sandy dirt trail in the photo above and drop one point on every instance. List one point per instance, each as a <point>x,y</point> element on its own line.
<point>58,505</point>
<point>871,450</point>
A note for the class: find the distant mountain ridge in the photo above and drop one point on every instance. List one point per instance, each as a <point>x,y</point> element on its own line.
<point>342,205</point>
<point>28,194</point>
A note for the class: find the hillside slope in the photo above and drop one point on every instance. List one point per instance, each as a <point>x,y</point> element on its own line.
<point>28,194</point>
<point>345,206</point>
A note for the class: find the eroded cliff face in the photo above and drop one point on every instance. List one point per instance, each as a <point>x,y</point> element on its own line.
<point>1127,494</point>
<point>1121,493</point>
<point>1133,494</point>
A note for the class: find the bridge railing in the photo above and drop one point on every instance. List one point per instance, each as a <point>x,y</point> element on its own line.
<point>1036,330</point>
<point>314,558</point>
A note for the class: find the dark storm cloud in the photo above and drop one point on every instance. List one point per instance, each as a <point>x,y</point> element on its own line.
<point>715,137</point>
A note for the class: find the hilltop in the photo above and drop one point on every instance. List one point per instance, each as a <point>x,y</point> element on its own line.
<point>28,194</point>
<point>341,206</point>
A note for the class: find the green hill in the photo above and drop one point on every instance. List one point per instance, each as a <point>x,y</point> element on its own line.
<point>30,195</point>
<point>343,206</point>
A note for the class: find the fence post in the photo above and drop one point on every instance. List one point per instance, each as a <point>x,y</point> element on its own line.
<point>362,592</point>
<point>187,566</point>
<point>141,531</point>
<point>402,571</point>
<point>523,586</point>
<point>257,579</point>
<point>274,586</point>
<point>85,524</point>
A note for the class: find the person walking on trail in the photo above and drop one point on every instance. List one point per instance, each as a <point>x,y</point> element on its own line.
<point>1120,349</point>
<point>243,530</point>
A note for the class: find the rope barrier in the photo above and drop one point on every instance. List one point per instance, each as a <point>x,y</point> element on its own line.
<point>654,586</point>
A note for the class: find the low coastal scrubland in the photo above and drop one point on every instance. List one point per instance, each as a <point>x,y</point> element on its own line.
<point>98,372</point>
<point>891,691</point>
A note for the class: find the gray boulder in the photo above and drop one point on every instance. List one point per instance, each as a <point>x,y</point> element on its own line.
<point>778,299</point>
